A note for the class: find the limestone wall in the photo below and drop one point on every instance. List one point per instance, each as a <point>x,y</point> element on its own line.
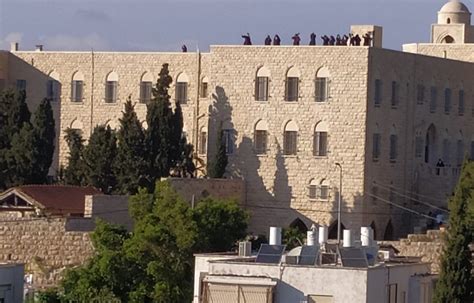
<point>44,246</point>
<point>111,208</point>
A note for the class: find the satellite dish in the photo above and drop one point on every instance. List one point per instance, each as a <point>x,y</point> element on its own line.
<point>295,251</point>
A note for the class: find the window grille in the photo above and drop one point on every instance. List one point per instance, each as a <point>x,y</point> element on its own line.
<point>204,90</point>
<point>320,144</point>
<point>292,89</point>
<point>76,90</point>
<point>322,89</point>
<point>203,143</point>
<point>261,142</point>
<point>182,92</point>
<point>261,89</point>
<point>52,90</point>
<point>145,91</point>
<point>111,91</point>
<point>290,142</point>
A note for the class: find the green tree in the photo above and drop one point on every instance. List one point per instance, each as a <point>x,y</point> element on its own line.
<point>22,156</point>
<point>293,237</point>
<point>220,223</point>
<point>455,284</point>
<point>17,112</point>
<point>74,173</point>
<point>159,135</point>
<point>45,131</point>
<point>216,167</point>
<point>99,157</point>
<point>130,165</point>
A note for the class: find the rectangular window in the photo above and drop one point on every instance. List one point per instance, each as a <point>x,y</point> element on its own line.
<point>376,147</point>
<point>182,92</point>
<point>418,147</point>
<point>321,87</point>
<point>261,142</point>
<point>261,89</point>
<point>228,137</point>
<point>461,103</point>
<point>323,192</point>
<point>433,99</point>
<point>203,143</point>
<point>394,94</point>
<point>392,293</point>
<point>292,89</point>
<point>76,91</point>
<point>420,94</point>
<point>52,90</point>
<point>145,91</point>
<point>20,85</point>
<point>447,101</point>
<point>204,89</point>
<point>290,142</point>
<point>320,144</point>
<point>393,147</point>
<point>111,91</point>
<point>313,192</point>
<point>378,92</point>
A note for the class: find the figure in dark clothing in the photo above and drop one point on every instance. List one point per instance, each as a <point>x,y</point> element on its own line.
<point>312,39</point>
<point>357,40</point>
<point>338,40</point>
<point>268,40</point>
<point>276,40</point>
<point>325,40</point>
<point>332,40</point>
<point>296,39</point>
<point>247,40</point>
<point>345,38</point>
<point>367,39</point>
<point>184,49</point>
<point>351,40</point>
<point>439,166</point>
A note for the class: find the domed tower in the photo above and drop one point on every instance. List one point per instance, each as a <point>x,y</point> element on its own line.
<point>454,24</point>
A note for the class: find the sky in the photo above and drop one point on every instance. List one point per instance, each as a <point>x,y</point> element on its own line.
<point>164,25</point>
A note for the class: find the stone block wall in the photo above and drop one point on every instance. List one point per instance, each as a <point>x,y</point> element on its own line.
<point>111,208</point>
<point>45,246</point>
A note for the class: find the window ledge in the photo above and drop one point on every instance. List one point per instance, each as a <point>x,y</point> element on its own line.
<point>320,157</point>
<point>77,102</point>
<point>290,156</point>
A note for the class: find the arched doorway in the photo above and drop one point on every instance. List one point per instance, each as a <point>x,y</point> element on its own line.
<point>372,225</point>
<point>430,144</point>
<point>298,224</point>
<point>332,232</point>
<point>447,39</point>
<point>388,235</point>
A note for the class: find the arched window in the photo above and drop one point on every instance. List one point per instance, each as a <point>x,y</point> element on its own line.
<point>182,88</point>
<point>204,87</point>
<point>448,21</point>
<point>461,102</point>
<point>388,234</point>
<point>313,189</point>
<point>290,138</point>
<point>393,144</point>
<point>448,39</point>
<point>323,190</point>
<point>53,87</point>
<point>377,142</point>
<point>77,87</point>
<point>228,137</point>
<point>260,137</point>
<point>446,148</point>
<point>459,149</point>
<point>76,126</point>
<point>292,85</point>
<point>299,225</point>
<point>430,145</point>
<point>261,84</point>
<point>111,86</point>
<point>332,233</point>
<point>203,141</point>
<point>322,85</point>
<point>320,140</point>
<point>447,101</point>
<point>146,84</point>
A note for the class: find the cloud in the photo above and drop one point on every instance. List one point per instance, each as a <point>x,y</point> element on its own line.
<point>91,15</point>
<point>75,43</point>
<point>11,37</point>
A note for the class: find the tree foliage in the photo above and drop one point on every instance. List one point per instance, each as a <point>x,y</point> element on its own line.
<point>45,134</point>
<point>74,173</point>
<point>217,166</point>
<point>154,263</point>
<point>455,284</point>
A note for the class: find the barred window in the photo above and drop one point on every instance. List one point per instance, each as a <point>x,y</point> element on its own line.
<point>420,94</point>
<point>322,85</point>
<point>433,99</point>
<point>447,101</point>
<point>461,103</point>
<point>292,85</point>
<point>261,84</point>
<point>52,90</point>
<point>111,86</point>
<point>261,137</point>
<point>378,92</point>
<point>182,88</point>
<point>320,140</point>
<point>290,139</point>
<point>323,190</point>
<point>204,87</point>
<point>146,87</point>
<point>313,190</point>
<point>77,85</point>
<point>203,142</point>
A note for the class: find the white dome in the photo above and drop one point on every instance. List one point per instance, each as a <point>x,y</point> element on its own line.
<point>454,6</point>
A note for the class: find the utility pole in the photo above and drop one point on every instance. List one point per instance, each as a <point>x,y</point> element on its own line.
<point>339,205</point>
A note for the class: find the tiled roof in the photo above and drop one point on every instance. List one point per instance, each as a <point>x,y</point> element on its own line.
<point>55,199</point>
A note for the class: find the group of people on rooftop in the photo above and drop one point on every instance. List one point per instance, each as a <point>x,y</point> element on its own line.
<point>349,40</point>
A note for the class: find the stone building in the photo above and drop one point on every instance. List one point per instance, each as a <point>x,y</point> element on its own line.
<point>290,113</point>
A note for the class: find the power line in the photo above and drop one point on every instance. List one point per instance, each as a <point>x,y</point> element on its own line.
<point>411,192</point>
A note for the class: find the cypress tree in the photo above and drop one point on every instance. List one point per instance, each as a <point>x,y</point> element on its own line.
<point>159,133</point>
<point>99,157</point>
<point>176,152</point>
<point>74,172</point>
<point>22,155</point>
<point>17,113</point>
<point>455,284</point>
<point>130,165</point>
<point>45,132</point>
<point>216,167</point>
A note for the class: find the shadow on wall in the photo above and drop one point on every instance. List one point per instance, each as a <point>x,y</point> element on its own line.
<point>37,84</point>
